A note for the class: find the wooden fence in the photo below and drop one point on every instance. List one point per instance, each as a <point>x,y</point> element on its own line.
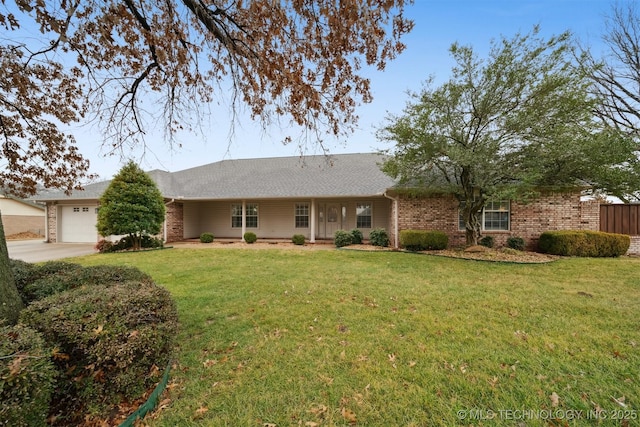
<point>623,219</point>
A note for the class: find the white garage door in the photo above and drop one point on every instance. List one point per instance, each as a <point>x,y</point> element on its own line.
<point>78,224</point>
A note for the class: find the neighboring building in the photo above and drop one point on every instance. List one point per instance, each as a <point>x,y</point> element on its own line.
<point>314,196</point>
<point>20,216</point>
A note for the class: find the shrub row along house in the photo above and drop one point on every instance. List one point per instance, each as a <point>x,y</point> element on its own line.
<point>314,196</point>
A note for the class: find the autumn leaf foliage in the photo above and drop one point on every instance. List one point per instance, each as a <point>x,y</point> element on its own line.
<point>63,62</point>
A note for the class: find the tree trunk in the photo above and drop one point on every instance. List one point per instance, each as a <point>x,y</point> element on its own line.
<point>472,215</point>
<point>10,301</point>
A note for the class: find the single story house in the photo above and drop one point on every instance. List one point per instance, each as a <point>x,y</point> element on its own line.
<point>313,196</point>
<point>21,216</point>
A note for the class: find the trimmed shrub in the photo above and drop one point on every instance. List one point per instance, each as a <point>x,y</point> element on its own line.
<point>96,275</point>
<point>250,237</point>
<point>584,243</point>
<point>379,237</point>
<point>356,237</point>
<point>105,246</point>
<point>487,241</point>
<point>206,238</point>
<point>298,239</point>
<point>27,377</point>
<point>53,271</point>
<point>342,238</point>
<point>422,240</point>
<point>23,274</point>
<point>110,341</point>
<point>516,243</point>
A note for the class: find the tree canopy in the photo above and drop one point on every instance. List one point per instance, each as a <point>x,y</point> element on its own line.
<point>616,82</point>
<point>502,127</point>
<point>63,62</point>
<point>131,205</point>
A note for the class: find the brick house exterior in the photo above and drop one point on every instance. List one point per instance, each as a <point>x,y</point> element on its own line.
<point>552,211</point>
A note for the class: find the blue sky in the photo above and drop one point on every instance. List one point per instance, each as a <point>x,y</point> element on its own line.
<point>438,23</point>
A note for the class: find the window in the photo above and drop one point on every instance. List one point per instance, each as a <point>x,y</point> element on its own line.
<point>495,216</point>
<point>363,215</point>
<point>251,215</point>
<point>302,215</point>
<point>85,209</point>
<point>76,209</point>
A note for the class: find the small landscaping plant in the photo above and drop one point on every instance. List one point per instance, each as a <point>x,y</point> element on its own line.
<point>423,240</point>
<point>298,239</point>
<point>250,237</point>
<point>379,237</point>
<point>342,238</point>
<point>206,238</point>
<point>516,243</point>
<point>105,246</point>
<point>27,377</point>
<point>584,243</point>
<point>487,241</point>
<point>356,237</point>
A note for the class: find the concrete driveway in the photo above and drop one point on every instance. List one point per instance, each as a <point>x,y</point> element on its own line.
<point>38,251</point>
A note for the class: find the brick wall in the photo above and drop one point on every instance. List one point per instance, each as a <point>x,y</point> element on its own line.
<point>52,213</point>
<point>175,222</point>
<point>634,249</point>
<point>555,211</point>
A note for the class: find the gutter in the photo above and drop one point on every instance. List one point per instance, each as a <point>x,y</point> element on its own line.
<point>395,220</point>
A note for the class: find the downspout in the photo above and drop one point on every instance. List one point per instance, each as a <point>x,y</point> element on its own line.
<point>395,220</point>
<point>164,228</point>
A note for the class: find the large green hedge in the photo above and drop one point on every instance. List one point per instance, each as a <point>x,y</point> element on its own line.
<point>583,243</point>
<point>423,240</point>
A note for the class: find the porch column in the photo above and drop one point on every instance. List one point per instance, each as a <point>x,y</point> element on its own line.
<point>312,238</point>
<point>244,218</point>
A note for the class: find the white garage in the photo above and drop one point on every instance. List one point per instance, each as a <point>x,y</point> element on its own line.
<point>77,224</point>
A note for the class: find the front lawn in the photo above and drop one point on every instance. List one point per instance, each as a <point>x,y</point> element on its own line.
<point>310,338</point>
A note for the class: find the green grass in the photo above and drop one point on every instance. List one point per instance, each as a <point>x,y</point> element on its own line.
<point>271,337</point>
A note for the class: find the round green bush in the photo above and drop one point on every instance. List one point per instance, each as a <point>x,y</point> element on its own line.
<point>379,237</point>
<point>110,340</point>
<point>206,238</point>
<point>54,273</point>
<point>516,243</point>
<point>356,236</point>
<point>487,241</point>
<point>298,239</point>
<point>421,240</point>
<point>342,238</point>
<point>27,377</point>
<point>584,243</point>
<point>250,237</point>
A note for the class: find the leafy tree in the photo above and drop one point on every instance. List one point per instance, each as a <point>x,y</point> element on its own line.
<point>132,205</point>
<point>71,61</point>
<point>502,127</point>
<point>616,81</point>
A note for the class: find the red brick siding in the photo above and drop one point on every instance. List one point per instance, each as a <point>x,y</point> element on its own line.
<point>558,211</point>
<point>175,222</point>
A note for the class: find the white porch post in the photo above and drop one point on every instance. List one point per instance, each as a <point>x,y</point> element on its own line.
<point>312,238</point>
<point>244,218</point>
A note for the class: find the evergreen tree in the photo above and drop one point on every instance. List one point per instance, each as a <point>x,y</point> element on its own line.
<point>131,205</point>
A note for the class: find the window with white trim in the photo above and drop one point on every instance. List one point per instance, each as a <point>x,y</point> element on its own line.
<point>251,215</point>
<point>302,215</point>
<point>363,215</point>
<point>495,216</point>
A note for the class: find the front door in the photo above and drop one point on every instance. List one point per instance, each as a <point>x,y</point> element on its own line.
<point>329,220</point>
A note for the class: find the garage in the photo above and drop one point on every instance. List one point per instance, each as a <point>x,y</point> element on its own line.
<point>78,224</point>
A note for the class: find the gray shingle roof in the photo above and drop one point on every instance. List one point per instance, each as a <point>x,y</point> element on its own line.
<point>339,175</point>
